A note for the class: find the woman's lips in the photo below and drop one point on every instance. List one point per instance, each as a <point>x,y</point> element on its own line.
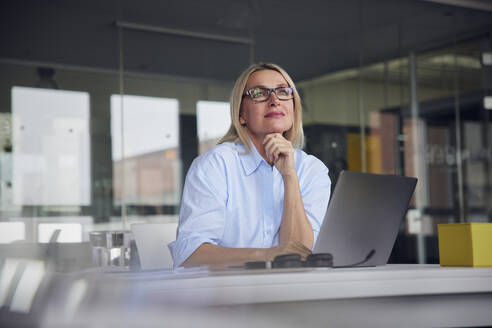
<point>274,114</point>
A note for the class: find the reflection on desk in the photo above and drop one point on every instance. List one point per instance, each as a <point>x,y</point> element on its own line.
<point>392,295</point>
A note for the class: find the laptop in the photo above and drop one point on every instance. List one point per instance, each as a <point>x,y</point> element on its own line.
<point>151,240</point>
<point>363,218</point>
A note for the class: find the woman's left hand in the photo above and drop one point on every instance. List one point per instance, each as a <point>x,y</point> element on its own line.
<point>280,152</point>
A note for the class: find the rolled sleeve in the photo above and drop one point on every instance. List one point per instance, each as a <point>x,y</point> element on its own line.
<point>202,214</point>
<point>182,248</point>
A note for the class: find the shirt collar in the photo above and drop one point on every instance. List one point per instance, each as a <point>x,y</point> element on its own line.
<point>250,160</point>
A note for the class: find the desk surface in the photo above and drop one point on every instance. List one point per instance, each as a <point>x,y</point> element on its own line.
<point>284,285</point>
<point>386,296</point>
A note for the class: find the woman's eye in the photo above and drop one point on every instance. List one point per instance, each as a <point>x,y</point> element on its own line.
<point>257,93</point>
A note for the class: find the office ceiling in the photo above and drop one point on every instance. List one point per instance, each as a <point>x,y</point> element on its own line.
<point>309,38</point>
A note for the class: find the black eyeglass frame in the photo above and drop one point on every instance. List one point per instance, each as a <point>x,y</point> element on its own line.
<point>269,90</point>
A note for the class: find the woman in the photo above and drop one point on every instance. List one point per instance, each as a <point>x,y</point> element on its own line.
<point>255,195</point>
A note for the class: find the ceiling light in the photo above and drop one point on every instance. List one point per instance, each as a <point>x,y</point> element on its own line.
<point>487,102</point>
<point>487,58</point>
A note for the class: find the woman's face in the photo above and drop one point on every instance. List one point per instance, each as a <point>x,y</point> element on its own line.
<point>270,116</point>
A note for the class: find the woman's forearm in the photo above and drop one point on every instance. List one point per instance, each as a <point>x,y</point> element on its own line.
<point>209,254</point>
<point>219,256</point>
<point>295,225</point>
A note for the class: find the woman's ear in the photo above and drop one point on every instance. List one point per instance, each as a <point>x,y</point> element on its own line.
<point>242,121</point>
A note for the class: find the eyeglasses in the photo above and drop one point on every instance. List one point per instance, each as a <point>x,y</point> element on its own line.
<point>262,94</point>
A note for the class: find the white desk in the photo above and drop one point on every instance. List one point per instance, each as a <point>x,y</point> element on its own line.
<point>393,295</point>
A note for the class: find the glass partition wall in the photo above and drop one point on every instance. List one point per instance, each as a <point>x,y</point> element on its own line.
<point>421,114</point>
<point>55,152</point>
<point>85,149</point>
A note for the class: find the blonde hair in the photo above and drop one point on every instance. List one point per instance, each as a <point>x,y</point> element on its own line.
<point>237,132</point>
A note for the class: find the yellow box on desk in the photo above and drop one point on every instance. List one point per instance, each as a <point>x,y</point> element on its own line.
<point>465,244</point>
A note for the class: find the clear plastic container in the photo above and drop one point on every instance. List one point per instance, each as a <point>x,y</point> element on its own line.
<point>110,248</point>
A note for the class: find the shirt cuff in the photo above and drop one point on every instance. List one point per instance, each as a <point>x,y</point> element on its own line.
<point>182,249</point>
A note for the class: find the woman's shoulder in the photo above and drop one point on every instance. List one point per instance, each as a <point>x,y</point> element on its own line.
<point>225,149</point>
<point>306,162</point>
<point>219,154</point>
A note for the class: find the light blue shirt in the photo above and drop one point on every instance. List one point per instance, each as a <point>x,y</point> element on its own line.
<point>234,198</point>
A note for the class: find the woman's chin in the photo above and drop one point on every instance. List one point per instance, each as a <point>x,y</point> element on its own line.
<point>271,129</point>
<point>279,129</point>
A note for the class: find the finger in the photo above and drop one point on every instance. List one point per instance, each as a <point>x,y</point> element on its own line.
<point>269,142</point>
<point>282,144</point>
<point>271,136</point>
<point>277,146</point>
<point>275,135</point>
<point>272,149</point>
<point>274,138</point>
<point>268,148</point>
<point>303,252</point>
<point>301,247</point>
<point>291,248</point>
<point>298,249</point>
<point>280,150</point>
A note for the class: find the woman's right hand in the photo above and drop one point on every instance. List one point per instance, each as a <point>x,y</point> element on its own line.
<point>290,247</point>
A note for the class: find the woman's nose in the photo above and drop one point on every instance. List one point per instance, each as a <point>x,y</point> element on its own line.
<point>273,99</point>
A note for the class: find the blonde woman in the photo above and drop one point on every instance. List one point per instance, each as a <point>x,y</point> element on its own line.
<point>256,194</point>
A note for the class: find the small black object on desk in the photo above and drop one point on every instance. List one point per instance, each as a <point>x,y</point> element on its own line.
<point>321,260</point>
<point>287,261</point>
<point>255,265</point>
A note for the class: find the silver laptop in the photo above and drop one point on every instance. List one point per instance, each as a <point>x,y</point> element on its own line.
<point>363,218</point>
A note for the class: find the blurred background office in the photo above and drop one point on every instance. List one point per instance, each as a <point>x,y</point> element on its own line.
<point>104,105</point>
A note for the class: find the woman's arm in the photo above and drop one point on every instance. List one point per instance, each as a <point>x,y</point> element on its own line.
<point>209,254</point>
<point>295,224</point>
